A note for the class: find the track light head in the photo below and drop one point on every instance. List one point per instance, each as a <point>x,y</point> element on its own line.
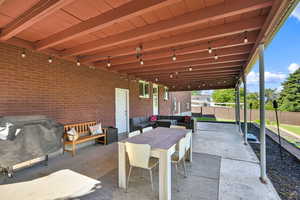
<point>50,60</point>
<point>171,75</point>
<point>190,69</point>
<point>216,57</point>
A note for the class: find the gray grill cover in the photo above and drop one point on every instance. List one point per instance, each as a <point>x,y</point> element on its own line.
<point>38,137</point>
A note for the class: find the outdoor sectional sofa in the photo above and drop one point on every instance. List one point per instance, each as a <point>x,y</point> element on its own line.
<point>138,123</point>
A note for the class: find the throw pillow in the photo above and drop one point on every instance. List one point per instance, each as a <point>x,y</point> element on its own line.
<point>72,134</point>
<point>187,119</point>
<point>153,118</point>
<point>95,130</point>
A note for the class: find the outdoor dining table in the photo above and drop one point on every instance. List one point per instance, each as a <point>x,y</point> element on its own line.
<point>162,141</point>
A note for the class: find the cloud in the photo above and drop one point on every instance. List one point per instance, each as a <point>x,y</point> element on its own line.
<point>270,77</point>
<point>296,12</point>
<point>279,89</point>
<point>293,67</point>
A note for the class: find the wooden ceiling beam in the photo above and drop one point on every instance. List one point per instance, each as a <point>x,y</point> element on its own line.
<point>182,74</point>
<point>196,68</point>
<point>232,41</point>
<point>227,9</point>
<point>206,34</point>
<point>185,65</point>
<point>196,77</point>
<point>38,12</point>
<point>185,58</point>
<point>203,80</point>
<point>201,88</point>
<point>124,12</point>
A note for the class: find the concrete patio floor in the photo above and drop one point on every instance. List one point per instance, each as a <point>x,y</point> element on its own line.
<point>223,169</point>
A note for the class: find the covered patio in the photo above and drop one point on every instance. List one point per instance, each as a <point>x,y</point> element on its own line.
<point>223,169</point>
<point>99,61</point>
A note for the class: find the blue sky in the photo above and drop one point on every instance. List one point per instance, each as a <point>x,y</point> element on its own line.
<point>282,55</point>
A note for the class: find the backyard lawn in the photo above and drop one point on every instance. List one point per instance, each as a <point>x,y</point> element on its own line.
<point>214,119</point>
<point>291,128</point>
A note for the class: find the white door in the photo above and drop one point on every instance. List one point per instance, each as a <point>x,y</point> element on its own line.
<point>155,99</point>
<point>122,107</point>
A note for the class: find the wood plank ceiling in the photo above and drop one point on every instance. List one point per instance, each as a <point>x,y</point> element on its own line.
<point>107,33</point>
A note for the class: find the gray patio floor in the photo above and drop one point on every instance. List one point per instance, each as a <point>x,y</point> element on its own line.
<point>223,168</point>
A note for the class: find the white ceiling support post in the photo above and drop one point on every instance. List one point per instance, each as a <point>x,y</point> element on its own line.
<point>262,131</point>
<point>235,92</point>
<point>238,106</point>
<point>245,110</point>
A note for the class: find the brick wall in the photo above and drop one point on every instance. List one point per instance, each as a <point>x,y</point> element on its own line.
<point>64,91</point>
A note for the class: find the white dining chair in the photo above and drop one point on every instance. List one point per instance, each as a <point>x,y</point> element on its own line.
<point>176,126</point>
<point>147,129</point>
<point>179,156</point>
<point>134,133</point>
<point>139,156</point>
<point>188,138</point>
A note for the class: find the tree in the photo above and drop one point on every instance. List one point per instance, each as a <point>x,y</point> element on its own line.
<point>270,95</point>
<point>224,96</point>
<point>253,98</point>
<point>289,98</point>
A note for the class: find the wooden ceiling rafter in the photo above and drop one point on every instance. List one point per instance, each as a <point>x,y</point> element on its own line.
<point>196,68</point>
<point>184,38</point>
<point>38,12</point>
<point>196,77</point>
<point>124,12</point>
<point>203,15</point>
<point>225,59</point>
<point>221,43</point>
<point>185,58</point>
<point>182,74</point>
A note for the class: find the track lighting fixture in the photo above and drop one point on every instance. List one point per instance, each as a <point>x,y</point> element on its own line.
<point>190,69</point>
<point>171,75</point>
<point>78,63</point>
<point>108,62</point>
<point>50,60</point>
<point>176,73</point>
<point>23,54</point>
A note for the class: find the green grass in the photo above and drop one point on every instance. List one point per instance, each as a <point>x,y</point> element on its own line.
<point>206,119</point>
<point>291,128</point>
<point>213,119</point>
